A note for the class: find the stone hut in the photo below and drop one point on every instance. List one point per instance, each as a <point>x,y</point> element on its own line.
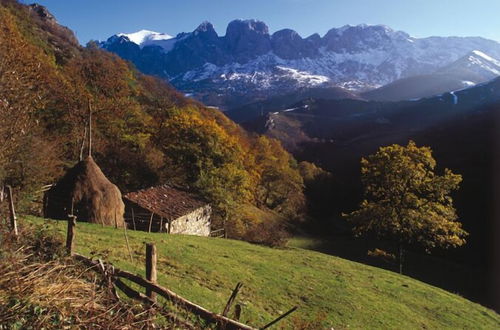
<point>167,209</point>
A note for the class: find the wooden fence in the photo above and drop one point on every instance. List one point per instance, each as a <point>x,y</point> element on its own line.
<point>152,289</point>
<point>221,233</point>
<point>114,278</point>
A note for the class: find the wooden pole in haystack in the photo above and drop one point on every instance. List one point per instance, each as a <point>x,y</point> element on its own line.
<point>70,234</point>
<point>90,128</point>
<point>133,217</point>
<point>82,147</point>
<point>12,211</point>
<point>151,268</point>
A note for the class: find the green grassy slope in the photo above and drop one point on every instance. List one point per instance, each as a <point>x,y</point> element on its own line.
<point>330,290</point>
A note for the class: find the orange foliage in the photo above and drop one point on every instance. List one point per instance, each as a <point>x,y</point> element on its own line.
<point>144,131</point>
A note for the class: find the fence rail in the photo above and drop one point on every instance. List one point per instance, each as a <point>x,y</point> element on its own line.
<point>115,275</point>
<point>221,233</point>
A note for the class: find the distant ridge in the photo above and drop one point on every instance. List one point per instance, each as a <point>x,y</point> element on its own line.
<point>474,68</point>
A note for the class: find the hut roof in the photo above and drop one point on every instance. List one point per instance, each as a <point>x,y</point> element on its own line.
<point>168,202</point>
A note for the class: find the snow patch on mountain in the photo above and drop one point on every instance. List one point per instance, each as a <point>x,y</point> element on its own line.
<point>303,77</point>
<point>486,57</point>
<point>145,38</point>
<point>353,70</point>
<point>262,72</point>
<point>455,97</point>
<point>485,61</point>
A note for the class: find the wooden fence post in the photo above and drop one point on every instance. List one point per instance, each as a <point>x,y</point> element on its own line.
<point>181,302</point>
<point>70,235</point>
<point>126,241</point>
<point>151,268</point>
<point>150,222</point>
<point>13,218</point>
<point>237,312</point>
<point>133,217</point>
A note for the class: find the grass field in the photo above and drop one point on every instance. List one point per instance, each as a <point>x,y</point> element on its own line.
<point>331,292</point>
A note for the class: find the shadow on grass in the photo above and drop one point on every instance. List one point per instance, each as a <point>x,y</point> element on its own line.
<point>464,280</point>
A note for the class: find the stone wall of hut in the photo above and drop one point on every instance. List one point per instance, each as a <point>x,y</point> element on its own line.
<point>194,223</point>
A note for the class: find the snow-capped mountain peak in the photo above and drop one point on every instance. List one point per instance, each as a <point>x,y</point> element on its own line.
<point>144,38</point>
<point>477,62</point>
<point>204,27</point>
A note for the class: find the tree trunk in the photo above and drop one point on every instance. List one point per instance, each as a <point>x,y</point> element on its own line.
<point>224,222</point>
<point>12,211</point>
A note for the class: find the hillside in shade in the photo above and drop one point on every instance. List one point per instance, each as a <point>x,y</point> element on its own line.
<point>462,129</point>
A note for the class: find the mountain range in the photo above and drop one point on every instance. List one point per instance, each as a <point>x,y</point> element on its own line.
<point>248,63</point>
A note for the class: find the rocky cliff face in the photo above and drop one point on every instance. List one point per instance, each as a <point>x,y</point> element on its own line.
<point>246,40</point>
<point>288,44</point>
<point>60,37</point>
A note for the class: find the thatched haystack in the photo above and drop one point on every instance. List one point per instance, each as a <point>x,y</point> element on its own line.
<point>88,194</point>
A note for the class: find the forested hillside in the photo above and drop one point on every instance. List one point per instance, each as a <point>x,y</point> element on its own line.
<point>144,131</point>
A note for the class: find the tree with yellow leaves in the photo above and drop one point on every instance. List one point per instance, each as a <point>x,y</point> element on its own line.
<point>406,201</point>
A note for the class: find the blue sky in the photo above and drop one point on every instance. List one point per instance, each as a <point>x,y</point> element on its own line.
<point>99,19</point>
